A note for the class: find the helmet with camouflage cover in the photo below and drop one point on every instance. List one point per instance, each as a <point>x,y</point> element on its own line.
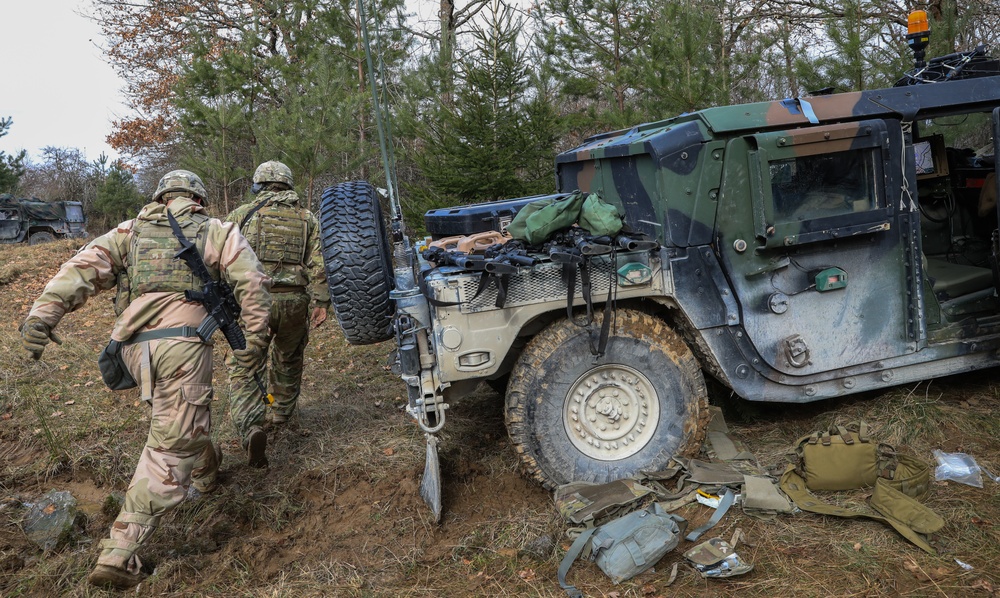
<point>273,171</point>
<point>180,180</point>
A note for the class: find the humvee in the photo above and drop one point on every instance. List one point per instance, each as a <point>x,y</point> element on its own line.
<point>37,221</point>
<point>809,248</point>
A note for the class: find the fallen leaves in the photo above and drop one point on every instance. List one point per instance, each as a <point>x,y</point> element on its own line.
<point>925,575</point>
<point>983,584</point>
<point>527,574</point>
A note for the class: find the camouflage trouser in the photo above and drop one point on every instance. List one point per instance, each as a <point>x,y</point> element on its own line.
<point>289,335</point>
<point>178,450</point>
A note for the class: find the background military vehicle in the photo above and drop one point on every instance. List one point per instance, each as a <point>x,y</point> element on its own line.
<point>38,221</point>
<point>810,248</point>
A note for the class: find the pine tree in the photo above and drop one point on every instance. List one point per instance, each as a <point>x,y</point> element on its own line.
<point>118,198</point>
<point>490,142</point>
<point>11,165</point>
<point>595,45</point>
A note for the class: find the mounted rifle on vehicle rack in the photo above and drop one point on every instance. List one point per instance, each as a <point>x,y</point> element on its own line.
<point>793,250</point>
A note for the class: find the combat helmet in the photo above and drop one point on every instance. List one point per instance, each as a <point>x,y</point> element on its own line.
<point>180,180</point>
<point>273,171</point>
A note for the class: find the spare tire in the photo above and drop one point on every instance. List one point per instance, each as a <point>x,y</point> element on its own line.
<point>358,261</point>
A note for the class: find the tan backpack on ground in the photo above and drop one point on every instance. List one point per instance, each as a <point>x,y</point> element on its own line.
<point>845,458</point>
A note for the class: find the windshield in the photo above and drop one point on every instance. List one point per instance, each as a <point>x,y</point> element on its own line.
<point>74,213</point>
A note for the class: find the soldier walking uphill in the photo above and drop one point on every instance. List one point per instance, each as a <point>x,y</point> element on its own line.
<point>286,238</point>
<point>160,347</point>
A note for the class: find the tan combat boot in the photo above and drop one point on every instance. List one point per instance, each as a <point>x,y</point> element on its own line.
<point>257,447</point>
<point>105,576</point>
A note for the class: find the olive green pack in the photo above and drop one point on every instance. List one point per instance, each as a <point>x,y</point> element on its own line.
<point>539,220</point>
<point>845,458</point>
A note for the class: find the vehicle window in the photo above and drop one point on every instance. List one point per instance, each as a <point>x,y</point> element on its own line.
<point>823,185</point>
<point>74,213</point>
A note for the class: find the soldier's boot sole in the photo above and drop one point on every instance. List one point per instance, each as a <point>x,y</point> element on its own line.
<point>105,576</point>
<point>257,448</point>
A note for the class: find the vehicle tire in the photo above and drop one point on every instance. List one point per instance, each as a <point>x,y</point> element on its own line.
<point>642,403</point>
<point>42,236</point>
<point>358,261</point>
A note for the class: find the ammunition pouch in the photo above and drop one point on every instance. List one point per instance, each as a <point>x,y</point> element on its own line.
<point>113,370</point>
<point>845,458</point>
<point>115,373</point>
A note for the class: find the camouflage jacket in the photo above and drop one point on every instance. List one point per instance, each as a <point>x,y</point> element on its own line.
<point>98,265</point>
<point>289,250</point>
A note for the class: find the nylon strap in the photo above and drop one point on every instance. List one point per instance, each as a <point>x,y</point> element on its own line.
<point>115,544</point>
<point>725,501</point>
<point>571,555</point>
<point>253,211</point>
<point>149,335</point>
<point>887,500</point>
<point>140,518</point>
<point>146,375</point>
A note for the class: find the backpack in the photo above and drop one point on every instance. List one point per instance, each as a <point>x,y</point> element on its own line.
<point>626,546</point>
<point>845,457</point>
<point>537,221</point>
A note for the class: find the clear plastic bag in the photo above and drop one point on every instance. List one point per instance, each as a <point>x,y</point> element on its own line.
<point>958,467</point>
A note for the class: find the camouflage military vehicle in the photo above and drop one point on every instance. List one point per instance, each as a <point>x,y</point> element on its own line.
<point>809,248</point>
<point>38,221</point>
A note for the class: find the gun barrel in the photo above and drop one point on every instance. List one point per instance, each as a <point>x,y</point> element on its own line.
<point>520,260</point>
<point>631,244</point>
<point>470,262</point>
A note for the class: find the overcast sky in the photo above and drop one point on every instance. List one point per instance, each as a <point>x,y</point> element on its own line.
<point>56,84</point>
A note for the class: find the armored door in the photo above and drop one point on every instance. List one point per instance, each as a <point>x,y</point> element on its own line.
<point>814,230</point>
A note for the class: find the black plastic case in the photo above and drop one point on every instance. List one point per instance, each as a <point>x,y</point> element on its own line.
<point>477,218</point>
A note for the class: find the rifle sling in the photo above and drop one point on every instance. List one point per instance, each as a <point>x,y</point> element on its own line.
<point>602,342</point>
<point>486,279</point>
<point>599,345</point>
<point>253,211</point>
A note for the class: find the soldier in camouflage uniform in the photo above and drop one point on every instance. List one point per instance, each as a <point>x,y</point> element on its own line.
<point>285,236</point>
<point>169,362</point>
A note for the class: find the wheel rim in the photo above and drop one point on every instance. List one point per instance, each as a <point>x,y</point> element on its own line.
<point>611,412</point>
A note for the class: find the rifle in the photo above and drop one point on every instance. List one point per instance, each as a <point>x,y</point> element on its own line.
<point>451,257</point>
<point>218,299</point>
<point>574,244</point>
<point>507,258</point>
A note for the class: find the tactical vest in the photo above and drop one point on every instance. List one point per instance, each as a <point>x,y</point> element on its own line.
<point>152,267</point>
<point>278,233</point>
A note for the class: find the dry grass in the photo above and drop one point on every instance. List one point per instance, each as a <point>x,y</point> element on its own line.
<point>339,513</point>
